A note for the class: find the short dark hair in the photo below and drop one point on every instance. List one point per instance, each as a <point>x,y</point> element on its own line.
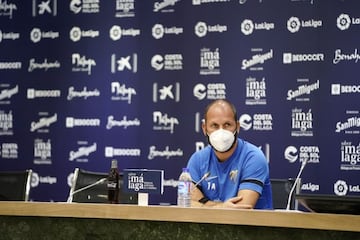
<point>232,107</point>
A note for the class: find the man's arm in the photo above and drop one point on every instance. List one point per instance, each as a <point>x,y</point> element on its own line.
<point>249,197</point>
<point>238,202</point>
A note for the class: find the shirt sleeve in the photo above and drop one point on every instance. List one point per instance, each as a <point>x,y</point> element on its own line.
<point>194,165</point>
<point>255,171</point>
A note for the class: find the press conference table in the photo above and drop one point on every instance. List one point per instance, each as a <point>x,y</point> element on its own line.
<point>41,220</point>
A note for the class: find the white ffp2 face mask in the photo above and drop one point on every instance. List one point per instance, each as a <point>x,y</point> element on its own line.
<point>222,140</point>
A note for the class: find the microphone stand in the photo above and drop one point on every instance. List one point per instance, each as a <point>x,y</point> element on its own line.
<point>70,198</point>
<point>294,186</point>
<point>205,176</point>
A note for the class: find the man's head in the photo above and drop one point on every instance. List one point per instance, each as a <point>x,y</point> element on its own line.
<point>221,102</point>
<point>221,125</point>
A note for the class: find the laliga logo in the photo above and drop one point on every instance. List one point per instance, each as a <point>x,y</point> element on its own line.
<point>35,35</point>
<point>34,180</point>
<point>340,188</point>
<point>247,27</point>
<point>115,32</point>
<point>290,154</point>
<point>343,21</point>
<point>245,121</point>
<point>75,34</point>
<point>293,24</point>
<point>158,31</point>
<point>70,179</point>
<point>200,29</point>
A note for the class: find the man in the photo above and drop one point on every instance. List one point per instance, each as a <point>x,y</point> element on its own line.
<point>230,172</point>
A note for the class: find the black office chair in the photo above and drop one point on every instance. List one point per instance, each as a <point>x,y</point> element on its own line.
<point>15,185</point>
<point>91,187</point>
<point>280,193</point>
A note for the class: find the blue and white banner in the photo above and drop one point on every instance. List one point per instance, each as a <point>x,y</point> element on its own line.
<point>83,82</point>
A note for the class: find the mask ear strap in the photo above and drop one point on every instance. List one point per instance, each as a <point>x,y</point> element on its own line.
<point>236,134</point>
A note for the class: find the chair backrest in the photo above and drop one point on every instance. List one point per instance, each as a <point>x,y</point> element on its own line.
<point>280,193</point>
<point>97,193</point>
<point>15,185</point>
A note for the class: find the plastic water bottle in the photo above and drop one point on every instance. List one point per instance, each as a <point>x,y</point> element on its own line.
<point>113,183</point>
<point>184,189</point>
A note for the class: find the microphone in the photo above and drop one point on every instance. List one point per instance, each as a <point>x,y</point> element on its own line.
<point>295,183</point>
<point>70,198</point>
<point>206,175</point>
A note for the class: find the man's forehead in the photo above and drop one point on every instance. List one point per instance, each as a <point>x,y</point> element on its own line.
<point>220,108</point>
<point>220,117</point>
<point>221,104</point>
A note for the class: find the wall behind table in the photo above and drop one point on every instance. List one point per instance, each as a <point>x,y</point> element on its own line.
<point>84,82</point>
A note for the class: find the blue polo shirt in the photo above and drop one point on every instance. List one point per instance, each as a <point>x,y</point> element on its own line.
<point>247,168</point>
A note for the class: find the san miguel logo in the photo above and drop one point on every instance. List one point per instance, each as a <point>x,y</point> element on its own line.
<point>82,153</point>
<point>8,93</point>
<point>256,61</point>
<point>43,122</point>
<point>351,125</point>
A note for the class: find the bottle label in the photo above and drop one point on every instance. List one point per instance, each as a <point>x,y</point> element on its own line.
<point>112,185</point>
<point>184,187</point>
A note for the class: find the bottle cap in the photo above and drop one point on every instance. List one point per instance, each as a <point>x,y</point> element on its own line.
<point>114,163</point>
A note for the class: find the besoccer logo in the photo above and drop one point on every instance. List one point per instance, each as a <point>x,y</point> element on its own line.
<point>343,21</point>
<point>247,27</point>
<point>335,89</point>
<point>340,188</point>
<point>200,29</point>
<point>293,24</point>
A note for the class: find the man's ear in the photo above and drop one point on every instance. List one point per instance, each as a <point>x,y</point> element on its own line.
<point>238,127</point>
<point>203,126</point>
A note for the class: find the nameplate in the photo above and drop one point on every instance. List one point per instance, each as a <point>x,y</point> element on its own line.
<point>143,181</point>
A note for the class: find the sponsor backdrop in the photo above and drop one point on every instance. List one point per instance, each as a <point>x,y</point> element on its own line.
<point>87,81</point>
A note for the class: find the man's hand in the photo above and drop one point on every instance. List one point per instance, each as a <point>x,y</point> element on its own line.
<point>244,200</point>
<point>235,203</point>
